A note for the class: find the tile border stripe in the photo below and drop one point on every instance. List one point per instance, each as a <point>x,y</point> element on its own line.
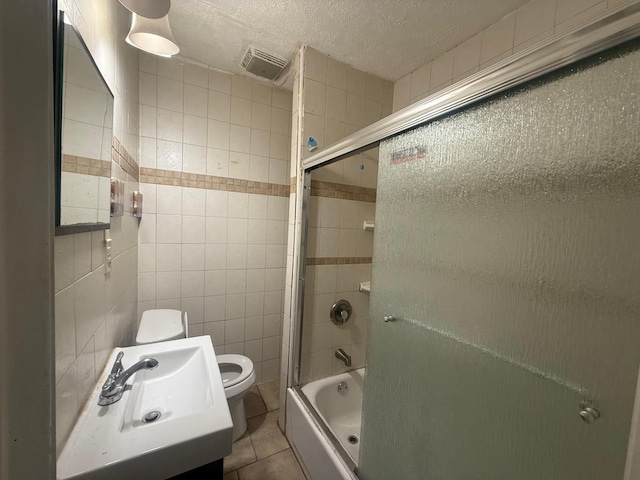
<point>339,260</point>
<point>210,182</point>
<point>86,166</point>
<point>121,157</point>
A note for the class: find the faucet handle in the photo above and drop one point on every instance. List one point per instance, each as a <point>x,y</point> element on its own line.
<point>117,365</point>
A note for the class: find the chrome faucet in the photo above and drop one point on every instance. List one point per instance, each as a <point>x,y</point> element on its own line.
<point>342,355</point>
<point>114,386</point>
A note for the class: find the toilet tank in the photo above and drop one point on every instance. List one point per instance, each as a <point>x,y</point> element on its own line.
<point>162,325</point>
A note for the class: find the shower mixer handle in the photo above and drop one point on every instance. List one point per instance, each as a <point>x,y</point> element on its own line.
<point>389,318</point>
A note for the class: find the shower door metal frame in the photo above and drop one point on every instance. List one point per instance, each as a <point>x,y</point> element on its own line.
<point>605,31</point>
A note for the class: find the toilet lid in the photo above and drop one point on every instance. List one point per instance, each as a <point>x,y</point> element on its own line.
<point>159,326</point>
<point>234,369</point>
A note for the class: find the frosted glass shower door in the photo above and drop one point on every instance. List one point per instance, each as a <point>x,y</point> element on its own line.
<point>507,248</point>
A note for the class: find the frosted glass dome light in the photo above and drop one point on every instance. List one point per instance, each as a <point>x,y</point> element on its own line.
<point>148,8</point>
<point>152,36</point>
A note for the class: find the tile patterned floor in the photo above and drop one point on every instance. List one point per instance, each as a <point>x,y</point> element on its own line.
<point>263,452</point>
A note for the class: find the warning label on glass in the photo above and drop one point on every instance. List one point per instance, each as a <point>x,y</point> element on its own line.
<point>408,154</point>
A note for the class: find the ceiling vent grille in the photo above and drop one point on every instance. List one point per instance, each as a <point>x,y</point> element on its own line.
<point>263,64</point>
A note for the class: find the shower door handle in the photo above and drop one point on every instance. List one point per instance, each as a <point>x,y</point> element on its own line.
<point>389,318</point>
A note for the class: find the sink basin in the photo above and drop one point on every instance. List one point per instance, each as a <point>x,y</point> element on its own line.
<point>170,420</point>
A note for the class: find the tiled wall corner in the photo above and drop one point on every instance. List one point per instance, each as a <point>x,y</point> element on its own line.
<point>94,311</point>
<point>533,22</point>
<point>330,101</point>
<point>215,175</point>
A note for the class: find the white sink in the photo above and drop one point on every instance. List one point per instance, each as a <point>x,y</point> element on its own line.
<point>194,426</point>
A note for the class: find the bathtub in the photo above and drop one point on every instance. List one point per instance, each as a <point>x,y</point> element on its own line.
<point>340,410</point>
<point>316,413</point>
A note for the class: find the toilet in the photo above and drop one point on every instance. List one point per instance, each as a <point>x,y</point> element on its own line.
<point>236,371</point>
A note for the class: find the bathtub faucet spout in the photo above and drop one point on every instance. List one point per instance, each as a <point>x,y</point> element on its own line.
<point>342,355</point>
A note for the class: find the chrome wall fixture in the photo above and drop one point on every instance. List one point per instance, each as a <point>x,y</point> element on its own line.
<point>340,312</point>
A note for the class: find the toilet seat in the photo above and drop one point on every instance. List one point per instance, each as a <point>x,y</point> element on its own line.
<point>237,373</point>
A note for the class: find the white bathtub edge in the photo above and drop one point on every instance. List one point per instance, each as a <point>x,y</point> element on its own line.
<point>318,458</point>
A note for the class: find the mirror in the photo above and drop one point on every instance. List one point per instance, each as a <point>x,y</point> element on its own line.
<point>84,132</point>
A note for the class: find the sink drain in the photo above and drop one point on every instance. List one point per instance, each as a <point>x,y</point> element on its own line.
<point>352,439</point>
<point>152,417</point>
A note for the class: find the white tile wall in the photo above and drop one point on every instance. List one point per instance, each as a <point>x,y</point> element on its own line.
<point>339,99</point>
<point>218,255</point>
<point>96,312</point>
<point>530,24</point>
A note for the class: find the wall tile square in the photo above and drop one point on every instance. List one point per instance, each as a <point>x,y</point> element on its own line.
<point>260,142</point>
<point>65,337</point>
<point>216,203</point>
<point>192,284</point>
<point>169,200</point>
<point>253,329</point>
<point>169,68</point>
<point>218,134</point>
<point>193,257</point>
<point>196,75</point>
<point>216,230</point>
<point>239,164</point>
<point>234,309</point>
<point>193,229</point>
<point>219,106</point>
<point>169,257</point>
<point>261,92</point>
<point>215,330</point>
<point>281,98</point>
<point>237,231</point>
<point>237,256</point>
<point>193,201</point>
<point>195,130</point>
<point>280,121</point>
<point>194,159</point>
<point>195,100</point>
<point>215,283</point>
<point>146,233</point>
<point>170,95</point>
<point>315,65</point>
<point>315,97</point>
<point>215,256</point>
<point>498,38</point>
<point>169,155</point>
<point>356,81</point>
<point>241,86</point>
<point>169,228</point>
<point>534,18</point>
<point>217,162</point>
<point>195,311</point>
<point>261,116</point>
<point>255,276</point>
<point>220,81</point>
<point>337,74</point>
<point>241,111</point>
<point>168,285</point>
<point>148,89</point>
<point>239,141</point>
<point>467,55</point>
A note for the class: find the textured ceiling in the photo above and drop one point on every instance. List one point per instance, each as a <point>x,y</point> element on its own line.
<point>389,38</point>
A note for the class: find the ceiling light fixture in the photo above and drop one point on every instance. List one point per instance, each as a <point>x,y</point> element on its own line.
<point>152,35</point>
<point>148,8</point>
